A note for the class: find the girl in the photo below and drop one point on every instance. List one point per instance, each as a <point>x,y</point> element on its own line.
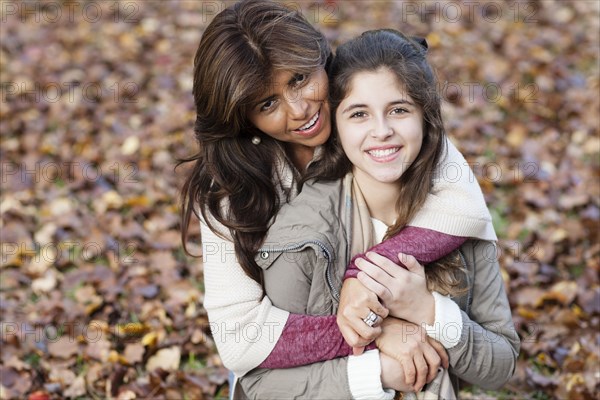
<point>260,90</point>
<point>388,118</point>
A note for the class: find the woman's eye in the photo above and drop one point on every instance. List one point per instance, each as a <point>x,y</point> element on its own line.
<point>300,79</point>
<point>268,105</point>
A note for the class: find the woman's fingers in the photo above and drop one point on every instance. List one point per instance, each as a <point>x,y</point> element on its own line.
<point>441,351</point>
<point>433,361</point>
<point>409,372</point>
<point>421,372</point>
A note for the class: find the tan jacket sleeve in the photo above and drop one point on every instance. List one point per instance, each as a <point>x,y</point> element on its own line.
<point>487,353</point>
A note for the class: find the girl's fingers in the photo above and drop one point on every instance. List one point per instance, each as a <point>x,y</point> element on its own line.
<point>411,264</point>
<point>366,334</point>
<point>352,337</point>
<point>374,286</point>
<point>375,271</point>
<point>387,265</point>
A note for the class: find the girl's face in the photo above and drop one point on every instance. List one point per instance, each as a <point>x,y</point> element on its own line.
<point>380,127</point>
<point>294,109</point>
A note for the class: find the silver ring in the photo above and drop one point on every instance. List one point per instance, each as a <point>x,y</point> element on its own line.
<point>370,319</point>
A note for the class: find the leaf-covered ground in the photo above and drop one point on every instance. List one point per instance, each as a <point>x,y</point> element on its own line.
<point>97,298</point>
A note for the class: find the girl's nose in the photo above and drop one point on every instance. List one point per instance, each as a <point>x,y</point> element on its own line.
<point>382,129</point>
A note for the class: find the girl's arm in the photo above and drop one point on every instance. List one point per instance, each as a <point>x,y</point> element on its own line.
<point>486,354</point>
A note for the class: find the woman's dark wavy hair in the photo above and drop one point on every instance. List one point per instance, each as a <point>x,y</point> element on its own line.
<point>232,179</point>
<point>406,58</point>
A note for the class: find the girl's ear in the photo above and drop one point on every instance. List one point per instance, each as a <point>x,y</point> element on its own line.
<point>421,41</point>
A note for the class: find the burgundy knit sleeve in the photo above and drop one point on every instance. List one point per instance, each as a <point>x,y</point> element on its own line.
<point>424,244</point>
<point>307,339</point>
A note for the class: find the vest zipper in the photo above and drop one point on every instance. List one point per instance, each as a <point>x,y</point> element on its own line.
<point>326,253</point>
<point>470,292</point>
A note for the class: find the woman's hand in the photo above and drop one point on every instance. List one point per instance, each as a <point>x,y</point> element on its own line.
<point>392,374</point>
<point>419,355</point>
<point>403,291</point>
<point>356,302</point>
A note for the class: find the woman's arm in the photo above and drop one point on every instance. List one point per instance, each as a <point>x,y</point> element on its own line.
<point>247,329</point>
<point>354,377</point>
<point>425,245</point>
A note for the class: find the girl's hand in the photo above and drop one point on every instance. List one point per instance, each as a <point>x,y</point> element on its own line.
<point>356,302</point>
<point>418,355</point>
<point>402,290</point>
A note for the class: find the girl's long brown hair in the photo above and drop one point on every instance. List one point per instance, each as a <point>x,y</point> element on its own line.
<point>232,180</point>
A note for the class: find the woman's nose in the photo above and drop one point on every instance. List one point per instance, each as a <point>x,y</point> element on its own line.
<point>298,106</point>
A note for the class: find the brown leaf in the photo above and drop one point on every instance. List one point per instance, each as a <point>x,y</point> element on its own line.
<point>167,359</point>
<point>64,347</point>
<point>99,348</point>
<point>77,388</point>
<point>134,353</point>
<point>63,376</point>
<point>564,292</point>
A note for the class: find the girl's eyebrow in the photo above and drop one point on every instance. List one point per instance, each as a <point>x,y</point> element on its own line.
<point>392,103</point>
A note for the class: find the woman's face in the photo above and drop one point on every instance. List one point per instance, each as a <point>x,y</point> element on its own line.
<point>380,127</point>
<point>294,109</point>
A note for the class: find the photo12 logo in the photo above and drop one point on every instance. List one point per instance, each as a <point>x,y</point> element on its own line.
<point>69,92</point>
<point>61,12</point>
<point>468,11</point>
<point>67,171</point>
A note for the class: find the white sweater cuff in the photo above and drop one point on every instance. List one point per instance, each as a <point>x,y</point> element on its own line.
<point>447,327</point>
<point>364,377</point>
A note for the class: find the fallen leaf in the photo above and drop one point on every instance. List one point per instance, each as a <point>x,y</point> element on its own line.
<point>167,359</point>
<point>64,347</point>
<point>77,388</point>
<point>134,352</point>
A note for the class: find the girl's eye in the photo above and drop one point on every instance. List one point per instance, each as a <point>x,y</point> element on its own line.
<point>399,110</point>
<point>358,114</point>
<point>268,105</point>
